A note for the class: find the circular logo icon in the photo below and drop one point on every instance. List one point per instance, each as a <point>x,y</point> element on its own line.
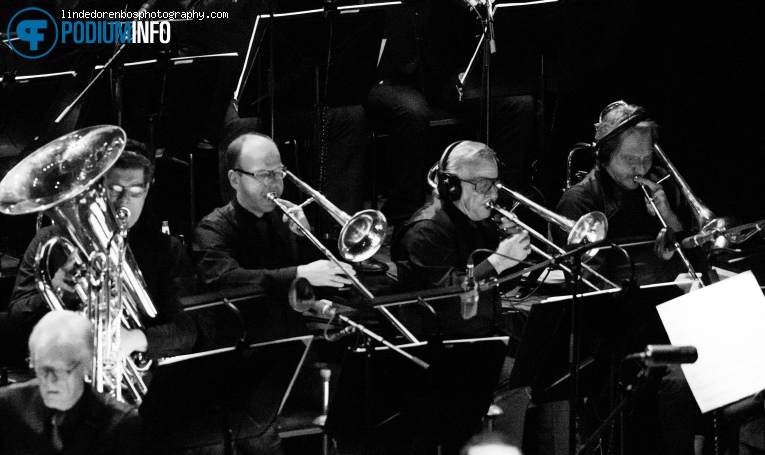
<point>33,33</point>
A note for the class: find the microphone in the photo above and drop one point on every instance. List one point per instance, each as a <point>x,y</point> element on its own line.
<point>323,307</point>
<point>469,298</point>
<point>665,354</point>
<point>341,334</point>
<point>698,239</point>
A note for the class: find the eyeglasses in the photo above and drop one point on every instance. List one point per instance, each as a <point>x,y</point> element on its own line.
<point>58,373</point>
<point>129,191</point>
<point>482,186</point>
<point>261,176</point>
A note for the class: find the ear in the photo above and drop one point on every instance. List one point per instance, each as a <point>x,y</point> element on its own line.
<point>233,178</point>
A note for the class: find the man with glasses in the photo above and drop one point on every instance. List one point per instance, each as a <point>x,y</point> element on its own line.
<point>162,260</point>
<point>434,248</point>
<point>58,411</point>
<point>249,243</point>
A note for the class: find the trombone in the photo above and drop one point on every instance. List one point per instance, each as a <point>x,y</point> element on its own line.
<point>591,227</point>
<point>714,232</point>
<point>360,237</point>
<point>514,218</point>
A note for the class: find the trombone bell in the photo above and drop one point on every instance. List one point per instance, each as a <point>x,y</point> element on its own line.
<point>362,235</point>
<point>591,227</point>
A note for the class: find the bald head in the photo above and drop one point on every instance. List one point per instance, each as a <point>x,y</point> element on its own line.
<point>251,158</point>
<point>249,142</point>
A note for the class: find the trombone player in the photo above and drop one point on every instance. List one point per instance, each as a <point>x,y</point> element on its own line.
<point>433,250</point>
<point>624,177</point>
<point>625,173</point>
<point>249,243</point>
<point>162,260</point>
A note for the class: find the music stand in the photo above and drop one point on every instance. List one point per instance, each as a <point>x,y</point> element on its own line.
<point>222,396</point>
<point>324,56</point>
<point>154,100</point>
<point>542,359</point>
<point>523,32</point>
<point>379,390</point>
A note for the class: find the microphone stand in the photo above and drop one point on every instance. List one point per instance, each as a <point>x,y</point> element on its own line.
<point>420,363</point>
<point>489,48</point>
<point>107,66</point>
<point>576,320</point>
<point>644,379</point>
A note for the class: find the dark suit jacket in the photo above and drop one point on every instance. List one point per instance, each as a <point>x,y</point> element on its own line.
<point>98,424</point>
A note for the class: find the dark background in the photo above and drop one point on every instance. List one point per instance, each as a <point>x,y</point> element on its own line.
<point>698,66</point>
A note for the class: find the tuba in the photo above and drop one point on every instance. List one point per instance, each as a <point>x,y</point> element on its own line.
<point>62,178</point>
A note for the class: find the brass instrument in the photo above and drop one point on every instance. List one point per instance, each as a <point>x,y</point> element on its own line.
<point>514,218</point>
<point>362,234</point>
<point>713,232</point>
<point>62,178</point>
<point>360,238</point>
<point>591,227</point>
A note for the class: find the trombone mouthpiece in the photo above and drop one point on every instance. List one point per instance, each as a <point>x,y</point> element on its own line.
<point>123,213</point>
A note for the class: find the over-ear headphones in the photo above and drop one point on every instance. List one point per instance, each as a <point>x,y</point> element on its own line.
<point>449,186</point>
<point>601,146</point>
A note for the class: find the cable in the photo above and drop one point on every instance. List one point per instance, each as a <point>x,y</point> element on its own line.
<point>486,250</point>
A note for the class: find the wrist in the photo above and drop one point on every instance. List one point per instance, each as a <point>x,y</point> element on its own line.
<point>499,263</point>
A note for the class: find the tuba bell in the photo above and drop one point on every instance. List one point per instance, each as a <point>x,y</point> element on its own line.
<point>62,178</point>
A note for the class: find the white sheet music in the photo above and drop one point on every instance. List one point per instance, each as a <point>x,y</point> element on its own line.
<point>726,324</point>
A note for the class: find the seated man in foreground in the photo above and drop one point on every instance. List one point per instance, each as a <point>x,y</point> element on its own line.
<point>58,411</point>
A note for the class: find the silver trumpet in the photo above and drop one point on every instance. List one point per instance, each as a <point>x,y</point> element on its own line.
<point>62,178</point>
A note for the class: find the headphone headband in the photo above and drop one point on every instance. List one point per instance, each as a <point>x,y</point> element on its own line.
<point>633,119</point>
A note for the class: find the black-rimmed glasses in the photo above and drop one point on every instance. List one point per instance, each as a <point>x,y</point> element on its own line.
<point>482,186</point>
<point>261,176</point>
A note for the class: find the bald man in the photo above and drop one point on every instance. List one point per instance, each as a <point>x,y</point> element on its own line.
<point>58,411</point>
<point>248,243</point>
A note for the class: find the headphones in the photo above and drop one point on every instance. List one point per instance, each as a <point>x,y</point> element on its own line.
<point>449,186</point>
<point>633,119</point>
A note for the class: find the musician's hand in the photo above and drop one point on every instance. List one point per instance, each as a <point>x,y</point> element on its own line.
<point>298,212</point>
<point>63,281</point>
<point>662,203</point>
<point>508,226</point>
<point>132,340</point>
<point>512,250</point>
<point>326,273</point>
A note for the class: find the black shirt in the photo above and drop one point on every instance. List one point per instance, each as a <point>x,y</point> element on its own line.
<point>97,424</point>
<point>166,269</point>
<point>432,251</point>
<point>235,248</point>
<point>628,219</point>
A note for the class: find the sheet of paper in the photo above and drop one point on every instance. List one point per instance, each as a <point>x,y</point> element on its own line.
<point>726,324</point>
